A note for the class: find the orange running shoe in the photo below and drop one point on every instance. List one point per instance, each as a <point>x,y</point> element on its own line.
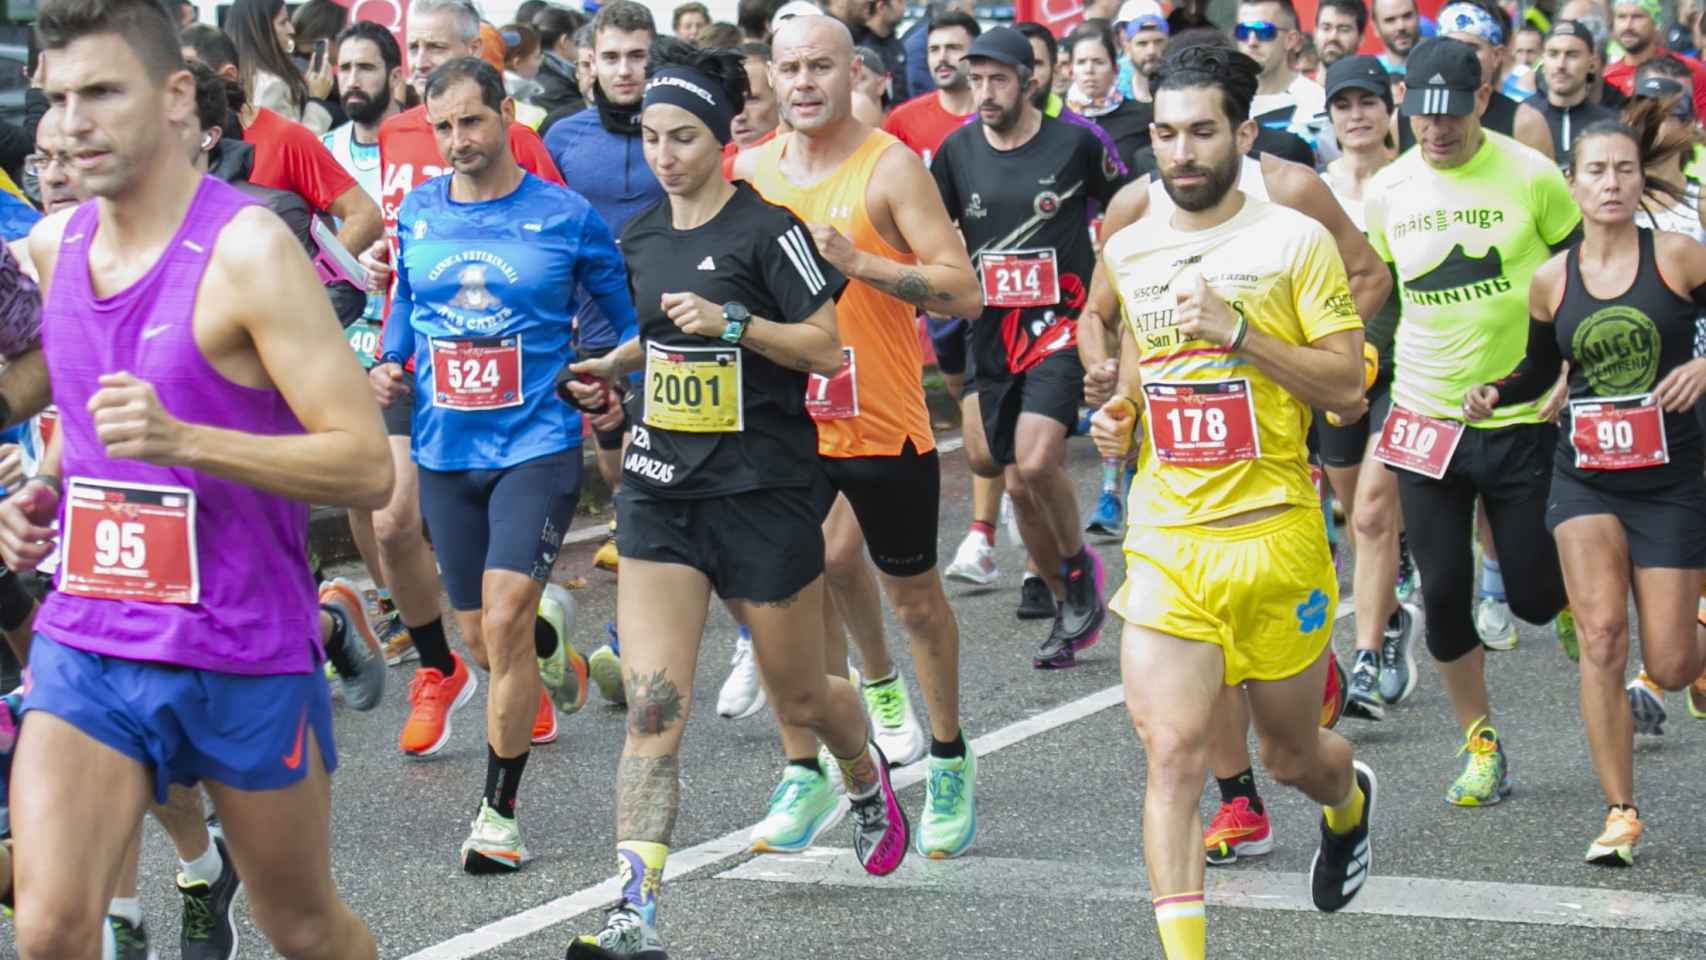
<point>545,721</point>
<point>1696,693</point>
<point>433,697</point>
<point>1337,694</point>
<point>1236,831</point>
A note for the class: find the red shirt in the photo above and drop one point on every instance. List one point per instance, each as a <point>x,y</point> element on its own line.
<point>408,157</point>
<point>730,152</point>
<point>1622,76</point>
<point>289,157</point>
<point>922,124</point>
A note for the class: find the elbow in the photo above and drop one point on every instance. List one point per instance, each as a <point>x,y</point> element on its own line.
<point>968,299</point>
<point>377,477</point>
<point>827,361</point>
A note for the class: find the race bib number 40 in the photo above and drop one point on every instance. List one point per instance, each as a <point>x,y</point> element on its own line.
<point>1207,424</point>
<point>1424,445</point>
<point>1618,433</point>
<point>694,389</point>
<point>1020,278</point>
<point>477,373</point>
<point>128,541</point>
<point>835,397</point>
<point>364,340</point>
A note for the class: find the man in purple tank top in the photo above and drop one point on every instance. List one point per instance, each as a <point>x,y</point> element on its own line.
<point>192,412</point>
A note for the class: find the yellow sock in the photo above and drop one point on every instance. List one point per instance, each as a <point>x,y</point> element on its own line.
<point>1184,930</point>
<point>1345,817</point>
<point>641,864</point>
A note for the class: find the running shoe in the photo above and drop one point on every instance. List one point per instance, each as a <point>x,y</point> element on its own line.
<point>742,695</point>
<point>207,931</point>
<point>831,770</point>
<point>1056,651</point>
<point>1081,610</point>
<point>802,807</point>
<point>1696,696</point>
<point>1236,831</point>
<point>880,828</point>
<point>1036,601</point>
<point>626,936</point>
<point>1342,863</point>
<point>395,641</point>
<point>433,698</point>
<point>1646,705</point>
<point>1010,520</point>
<point>606,557</point>
<point>1494,625</point>
<point>563,672</point>
<point>950,806</point>
<point>1565,628</point>
<point>1485,778</point>
<point>1336,694</point>
<point>360,663</point>
<point>974,561</point>
<point>544,722</point>
<point>1108,520</point>
<point>1398,655</point>
<point>1364,701</point>
<point>1408,582</point>
<point>895,726</point>
<point>605,666</point>
<point>493,844</point>
<point>1615,845</point>
<point>129,942</point>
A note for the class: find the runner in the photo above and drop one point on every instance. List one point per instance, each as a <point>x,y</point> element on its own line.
<point>1019,184</point>
<point>488,261</point>
<point>1398,25</point>
<point>1628,501</point>
<point>758,123</point>
<point>1483,25</point>
<point>1465,219</point>
<point>1267,31</point>
<point>723,492</point>
<point>874,214</point>
<point>1551,120</point>
<point>1094,55</point>
<point>923,122</point>
<point>210,653</point>
<point>1229,579</point>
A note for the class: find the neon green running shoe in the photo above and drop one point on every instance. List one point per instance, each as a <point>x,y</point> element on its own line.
<point>950,806</point>
<point>1565,628</point>
<point>1485,779</point>
<point>802,807</point>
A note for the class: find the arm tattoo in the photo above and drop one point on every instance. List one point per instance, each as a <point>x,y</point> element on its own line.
<point>654,704</point>
<point>648,793</point>
<point>913,287</point>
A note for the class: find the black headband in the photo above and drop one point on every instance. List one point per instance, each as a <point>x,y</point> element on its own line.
<point>687,88</point>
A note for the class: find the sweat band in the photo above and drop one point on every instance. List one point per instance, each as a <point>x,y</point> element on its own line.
<point>687,88</point>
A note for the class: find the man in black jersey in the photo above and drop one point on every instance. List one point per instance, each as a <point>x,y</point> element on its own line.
<point>1550,120</point>
<point>1020,184</point>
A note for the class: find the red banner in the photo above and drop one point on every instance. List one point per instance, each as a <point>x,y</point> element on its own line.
<point>390,14</point>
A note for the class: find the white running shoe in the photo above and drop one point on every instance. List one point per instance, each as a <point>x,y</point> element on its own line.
<point>974,561</point>
<point>1010,521</point>
<point>1493,623</point>
<point>898,731</point>
<point>742,695</point>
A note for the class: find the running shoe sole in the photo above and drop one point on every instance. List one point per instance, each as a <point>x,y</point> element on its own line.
<point>830,818</point>
<point>1409,645</point>
<point>971,574</point>
<point>605,669</point>
<point>461,701</point>
<point>485,863</point>
<point>1621,855</point>
<point>341,594</point>
<point>1370,808</point>
<point>758,703</point>
<point>1696,704</point>
<point>1647,709</point>
<point>889,855</point>
<point>1360,709</point>
<point>1241,848</point>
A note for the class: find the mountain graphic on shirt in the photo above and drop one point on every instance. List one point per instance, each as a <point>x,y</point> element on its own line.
<point>1458,269</point>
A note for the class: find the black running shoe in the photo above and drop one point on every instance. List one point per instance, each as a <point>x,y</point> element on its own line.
<point>1364,701</point>
<point>1342,864</point>
<point>1036,601</point>
<point>1056,651</point>
<point>1082,611</point>
<point>208,933</point>
<point>129,942</point>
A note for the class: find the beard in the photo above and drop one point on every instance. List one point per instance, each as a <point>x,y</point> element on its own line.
<point>1218,180</point>
<point>1040,98</point>
<point>364,109</point>
<point>1008,119</point>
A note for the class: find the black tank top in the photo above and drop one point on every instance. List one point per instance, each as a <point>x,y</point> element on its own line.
<point>1625,346</point>
<point>1567,123</point>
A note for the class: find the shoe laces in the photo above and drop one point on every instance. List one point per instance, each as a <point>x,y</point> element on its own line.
<point>198,918</point>
<point>1365,669</point>
<point>888,702</point>
<point>871,812</point>
<point>622,927</point>
<point>1232,815</point>
<point>945,789</point>
<point>425,691</point>
<point>742,659</point>
<point>127,937</point>
<point>1481,748</point>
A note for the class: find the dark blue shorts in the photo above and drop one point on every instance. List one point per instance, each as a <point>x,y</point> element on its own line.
<point>509,519</point>
<point>186,725</point>
<point>948,338</point>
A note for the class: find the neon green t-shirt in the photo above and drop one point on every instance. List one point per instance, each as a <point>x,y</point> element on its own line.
<point>1465,243</point>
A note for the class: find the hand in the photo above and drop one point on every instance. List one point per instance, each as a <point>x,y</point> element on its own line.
<point>1202,315</point>
<point>834,247</point>
<point>591,388</point>
<point>694,314</point>
<point>1559,396</point>
<point>1112,425</point>
<point>26,532</point>
<point>1479,402</point>
<point>132,425</point>
<point>387,382</point>
<point>1359,411</point>
<point>319,81</point>
<point>1100,382</point>
<point>377,260</point>
<point>11,465</point>
<point>1680,388</point>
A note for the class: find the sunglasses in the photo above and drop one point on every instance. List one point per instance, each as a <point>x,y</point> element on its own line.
<point>1259,29</point>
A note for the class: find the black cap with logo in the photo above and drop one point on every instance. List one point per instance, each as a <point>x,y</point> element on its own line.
<point>1441,77</point>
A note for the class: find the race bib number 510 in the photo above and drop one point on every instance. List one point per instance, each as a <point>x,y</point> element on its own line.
<point>1202,424</point>
<point>129,541</point>
<point>1424,445</point>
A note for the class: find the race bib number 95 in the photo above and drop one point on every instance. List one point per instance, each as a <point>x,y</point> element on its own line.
<point>129,541</point>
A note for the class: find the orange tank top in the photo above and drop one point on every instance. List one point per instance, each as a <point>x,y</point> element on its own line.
<point>887,361</point>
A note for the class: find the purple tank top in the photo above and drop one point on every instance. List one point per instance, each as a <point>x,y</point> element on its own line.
<point>256,612</point>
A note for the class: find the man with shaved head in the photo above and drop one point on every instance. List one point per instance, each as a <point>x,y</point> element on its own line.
<point>876,216</point>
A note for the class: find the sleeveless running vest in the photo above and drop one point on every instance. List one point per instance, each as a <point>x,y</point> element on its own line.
<point>256,612</point>
<point>880,329</point>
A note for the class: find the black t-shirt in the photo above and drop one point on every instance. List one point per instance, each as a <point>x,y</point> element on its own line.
<point>1567,123</point>
<point>755,254</point>
<point>1035,197</point>
<point>1128,127</point>
<point>1500,117</point>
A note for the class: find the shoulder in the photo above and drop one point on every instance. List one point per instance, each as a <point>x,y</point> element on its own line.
<point>897,159</point>
<point>44,239</point>
<point>571,127</point>
<point>1516,154</point>
<point>251,244</point>
<point>428,195</point>
<point>641,226</point>
<point>1548,282</point>
<point>404,124</point>
<point>1129,204</point>
<point>1680,255</point>
<point>1289,181</point>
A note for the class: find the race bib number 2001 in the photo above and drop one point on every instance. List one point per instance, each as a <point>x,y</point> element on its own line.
<point>694,389</point>
<point>129,541</point>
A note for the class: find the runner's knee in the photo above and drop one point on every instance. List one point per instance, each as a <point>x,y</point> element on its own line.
<point>397,527</point>
<point>48,928</point>
<point>1288,763</point>
<point>1604,639</point>
<point>299,931</point>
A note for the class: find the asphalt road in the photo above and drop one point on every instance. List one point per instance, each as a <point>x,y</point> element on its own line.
<point>1056,870</point>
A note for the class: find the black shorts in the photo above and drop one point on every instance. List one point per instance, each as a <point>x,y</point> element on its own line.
<point>1053,388</point>
<point>1346,445</point>
<point>897,500</point>
<point>948,337</point>
<point>761,546</point>
<point>400,415</point>
<point>509,519</point>
<point>1664,528</point>
<point>607,439</point>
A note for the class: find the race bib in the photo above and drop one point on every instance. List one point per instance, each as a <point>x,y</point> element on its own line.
<point>364,340</point>
<point>1020,278</point>
<point>835,397</point>
<point>1208,424</point>
<point>129,541</point>
<point>694,389</point>
<point>1424,445</point>
<point>477,373</point>
<point>1618,433</point>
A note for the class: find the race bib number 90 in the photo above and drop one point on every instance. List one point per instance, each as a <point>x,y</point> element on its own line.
<point>1206,424</point>
<point>1020,278</point>
<point>694,389</point>
<point>126,541</point>
<point>477,373</point>
<point>1424,445</point>
<point>1618,433</point>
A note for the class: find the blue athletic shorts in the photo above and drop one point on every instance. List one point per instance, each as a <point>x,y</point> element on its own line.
<point>186,725</point>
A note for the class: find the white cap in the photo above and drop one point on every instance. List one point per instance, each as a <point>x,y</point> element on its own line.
<point>792,9</point>
<point>1132,9</point>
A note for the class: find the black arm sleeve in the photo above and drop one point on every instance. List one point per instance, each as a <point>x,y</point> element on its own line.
<point>1574,237</point>
<point>1537,371</point>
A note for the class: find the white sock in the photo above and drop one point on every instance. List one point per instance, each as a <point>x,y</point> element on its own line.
<point>205,868</point>
<point>128,909</point>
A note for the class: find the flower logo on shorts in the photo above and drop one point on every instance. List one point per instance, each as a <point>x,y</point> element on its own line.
<point>1312,613</point>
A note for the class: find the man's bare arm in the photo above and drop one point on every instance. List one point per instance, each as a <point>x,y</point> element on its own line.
<point>942,281</point>
<point>360,217</point>
<point>1102,305</point>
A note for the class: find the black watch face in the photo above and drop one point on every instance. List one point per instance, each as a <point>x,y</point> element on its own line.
<point>737,312</point>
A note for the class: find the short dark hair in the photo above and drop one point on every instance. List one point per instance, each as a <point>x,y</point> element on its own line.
<point>143,25</point>
<point>691,7</point>
<point>1350,8</point>
<point>624,15</point>
<point>490,81</point>
<point>1208,64</point>
<point>528,10</point>
<point>725,68</point>
<point>1285,8</point>
<point>754,16</point>
<point>1093,30</point>
<point>318,20</point>
<point>1664,67</point>
<point>555,23</point>
<point>719,36</point>
<point>377,35</point>
<point>1036,31</point>
<point>756,51</point>
<point>211,45</point>
<point>948,19</point>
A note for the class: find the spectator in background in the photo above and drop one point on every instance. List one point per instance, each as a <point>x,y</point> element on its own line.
<point>522,59</point>
<point>558,79</point>
<point>1636,26</point>
<point>528,10</point>
<point>264,35</point>
<point>873,23</point>
<point>758,122</point>
<point>1143,29</point>
<point>1398,25</point>
<point>1339,26</point>
<point>1060,81</point>
<point>1524,62</point>
<point>719,36</point>
<point>1267,31</point>
<point>754,19</point>
<point>314,21</point>
<point>1305,62</point>
<point>1092,50</point>
<point>1189,15</point>
<point>871,83</point>
<point>688,20</point>
<point>916,42</point>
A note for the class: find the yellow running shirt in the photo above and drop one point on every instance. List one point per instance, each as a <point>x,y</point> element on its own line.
<point>1221,438</point>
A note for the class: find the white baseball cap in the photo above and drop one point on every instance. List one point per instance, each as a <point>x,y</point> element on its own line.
<point>792,9</point>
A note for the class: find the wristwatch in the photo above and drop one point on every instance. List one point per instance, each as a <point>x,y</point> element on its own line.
<point>735,318</point>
